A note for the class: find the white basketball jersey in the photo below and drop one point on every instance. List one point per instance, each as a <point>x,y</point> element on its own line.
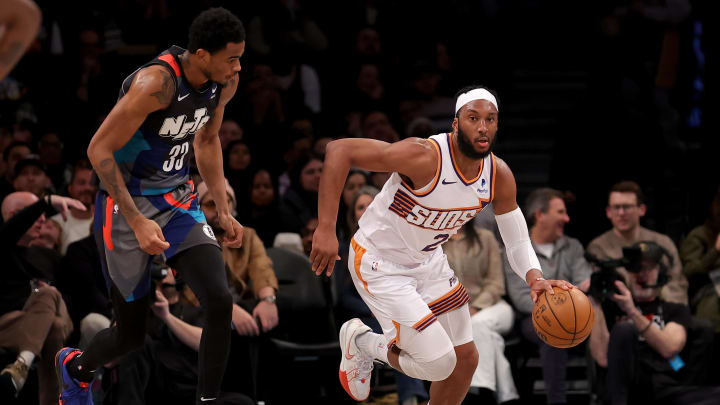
<point>408,226</point>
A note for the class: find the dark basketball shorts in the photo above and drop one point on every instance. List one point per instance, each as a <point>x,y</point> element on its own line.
<point>127,266</point>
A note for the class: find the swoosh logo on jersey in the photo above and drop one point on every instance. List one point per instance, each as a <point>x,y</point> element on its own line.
<point>214,88</point>
<point>448,182</point>
<point>180,98</point>
<point>212,97</point>
<point>203,399</point>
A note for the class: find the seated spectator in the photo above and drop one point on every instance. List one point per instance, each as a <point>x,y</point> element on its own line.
<point>229,131</point>
<point>625,208</point>
<point>238,159</point>
<point>302,197</point>
<point>376,125</point>
<point>700,254</point>
<point>641,351</point>
<point>561,258</point>
<point>50,151</point>
<point>13,153</point>
<point>49,236</point>
<point>164,370</point>
<point>253,285</point>
<point>474,255</point>
<point>250,272</point>
<point>81,279</point>
<point>30,175</point>
<point>266,212</point>
<point>78,223</point>
<point>34,321</point>
<point>356,179</point>
<point>350,305</point>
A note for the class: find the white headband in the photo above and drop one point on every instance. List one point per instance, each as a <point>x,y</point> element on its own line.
<point>475,94</point>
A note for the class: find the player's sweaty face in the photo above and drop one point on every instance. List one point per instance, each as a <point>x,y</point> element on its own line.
<point>225,63</point>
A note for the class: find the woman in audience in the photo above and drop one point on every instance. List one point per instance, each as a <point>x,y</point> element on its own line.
<point>266,213</point>
<point>474,255</point>
<point>302,197</point>
<point>238,160</point>
<point>355,180</point>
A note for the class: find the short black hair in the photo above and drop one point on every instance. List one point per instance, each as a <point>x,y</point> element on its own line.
<point>213,29</point>
<point>473,87</point>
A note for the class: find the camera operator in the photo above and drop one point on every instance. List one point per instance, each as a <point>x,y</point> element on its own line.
<point>641,351</point>
<point>165,370</point>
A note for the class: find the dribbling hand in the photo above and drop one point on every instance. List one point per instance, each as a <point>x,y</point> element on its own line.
<point>149,236</point>
<point>538,287</point>
<point>324,251</point>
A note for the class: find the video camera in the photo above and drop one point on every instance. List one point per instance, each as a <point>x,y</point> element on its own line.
<point>602,282</point>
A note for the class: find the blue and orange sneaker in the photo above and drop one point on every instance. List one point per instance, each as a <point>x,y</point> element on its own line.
<point>72,391</point>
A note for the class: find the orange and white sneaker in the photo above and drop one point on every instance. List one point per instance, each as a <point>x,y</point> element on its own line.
<point>355,366</point>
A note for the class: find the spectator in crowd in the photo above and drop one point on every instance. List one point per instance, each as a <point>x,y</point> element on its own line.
<point>302,197</point>
<point>376,125</point>
<point>625,207</point>
<point>307,233</point>
<point>356,179</point>
<point>49,237</point>
<point>350,305</point>
<point>266,212</point>
<point>229,131</point>
<point>253,286</point>
<point>641,351</point>
<point>78,223</point>
<point>13,153</point>
<point>700,254</point>
<point>31,175</point>
<point>250,276</point>
<point>81,279</point>
<point>164,369</point>
<point>34,321</point>
<point>238,160</point>
<point>561,258</point>
<point>319,146</point>
<point>474,255</point>
<point>50,150</point>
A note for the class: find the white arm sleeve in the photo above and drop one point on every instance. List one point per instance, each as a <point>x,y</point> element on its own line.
<point>519,250</point>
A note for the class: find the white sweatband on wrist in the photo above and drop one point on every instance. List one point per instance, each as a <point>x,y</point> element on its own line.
<point>519,250</point>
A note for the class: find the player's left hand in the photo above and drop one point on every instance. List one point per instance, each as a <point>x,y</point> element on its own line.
<point>538,287</point>
<point>233,231</point>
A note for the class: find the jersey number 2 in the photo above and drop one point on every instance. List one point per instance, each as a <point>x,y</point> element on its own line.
<point>440,239</point>
<point>176,158</point>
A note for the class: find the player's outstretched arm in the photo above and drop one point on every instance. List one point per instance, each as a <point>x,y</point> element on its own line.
<point>514,232</point>
<point>208,156</point>
<point>20,20</point>
<point>153,89</point>
<point>413,157</point>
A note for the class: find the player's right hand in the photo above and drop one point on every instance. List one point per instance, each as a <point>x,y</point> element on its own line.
<point>150,236</point>
<point>324,251</point>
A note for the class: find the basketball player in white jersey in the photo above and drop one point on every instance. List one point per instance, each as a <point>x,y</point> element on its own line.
<point>396,259</point>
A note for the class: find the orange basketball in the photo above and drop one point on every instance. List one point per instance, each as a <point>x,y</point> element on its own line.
<point>563,319</point>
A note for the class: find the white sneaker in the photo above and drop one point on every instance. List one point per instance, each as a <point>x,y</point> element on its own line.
<point>355,366</point>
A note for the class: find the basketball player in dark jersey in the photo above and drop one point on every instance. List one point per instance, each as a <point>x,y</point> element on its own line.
<point>147,205</point>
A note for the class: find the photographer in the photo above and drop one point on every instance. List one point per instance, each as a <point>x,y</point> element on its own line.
<point>641,350</point>
<point>165,370</point>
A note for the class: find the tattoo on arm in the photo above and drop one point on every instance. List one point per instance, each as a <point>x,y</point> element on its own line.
<point>109,173</point>
<point>167,92</point>
<point>11,55</point>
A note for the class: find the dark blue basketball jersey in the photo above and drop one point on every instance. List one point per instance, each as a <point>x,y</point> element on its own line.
<point>154,160</point>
